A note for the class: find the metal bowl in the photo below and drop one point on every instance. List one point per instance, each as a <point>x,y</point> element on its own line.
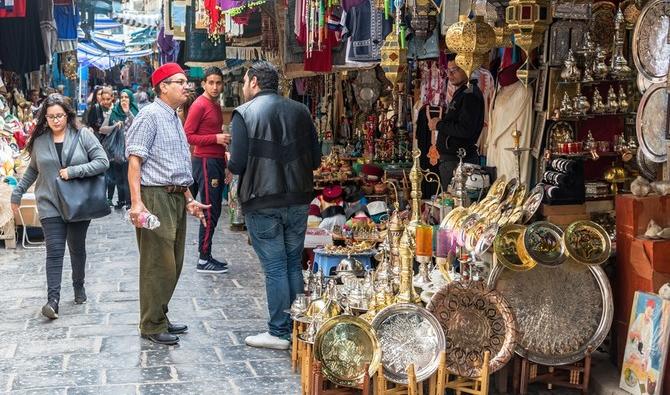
<point>587,243</point>
<point>542,242</point>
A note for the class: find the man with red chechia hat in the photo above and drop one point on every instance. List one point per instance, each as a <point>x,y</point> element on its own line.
<point>159,173</point>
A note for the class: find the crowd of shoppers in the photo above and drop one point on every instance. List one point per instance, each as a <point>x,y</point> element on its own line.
<point>158,158</point>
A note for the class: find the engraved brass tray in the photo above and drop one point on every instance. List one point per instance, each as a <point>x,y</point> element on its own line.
<point>408,334</point>
<point>504,247</point>
<point>587,243</point>
<point>474,320</point>
<point>602,24</point>
<point>651,50</point>
<point>651,123</point>
<point>344,345</point>
<point>533,202</point>
<point>560,311</point>
<point>497,190</point>
<point>542,242</point>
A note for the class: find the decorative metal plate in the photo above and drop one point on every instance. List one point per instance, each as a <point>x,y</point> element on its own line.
<point>497,190</point>
<point>474,320</point>
<point>560,311</point>
<point>408,334</point>
<point>647,167</point>
<point>587,243</point>
<point>565,35</point>
<point>642,83</point>
<point>510,189</point>
<point>344,345</point>
<point>602,24</point>
<point>533,202</point>
<point>652,123</point>
<point>504,247</point>
<point>486,239</point>
<point>543,241</point>
<point>651,50</point>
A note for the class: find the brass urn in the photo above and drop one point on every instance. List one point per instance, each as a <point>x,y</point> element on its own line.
<point>471,40</point>
<point>528,19</point>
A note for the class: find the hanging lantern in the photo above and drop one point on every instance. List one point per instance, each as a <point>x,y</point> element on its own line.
<point>471,40</point>
<point>503,37</point>
<point>528,19</point>
<point>424,18</point>
<point>394,57</point>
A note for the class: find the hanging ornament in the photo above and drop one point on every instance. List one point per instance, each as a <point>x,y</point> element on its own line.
<point>528,19</point>
<point>394,58</point>
<point>503,37</point>
<point>471,40</point>
<point>424,18</point>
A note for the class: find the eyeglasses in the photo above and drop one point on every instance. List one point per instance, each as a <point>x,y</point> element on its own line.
<point>179,82</point>
<point>56,117</point>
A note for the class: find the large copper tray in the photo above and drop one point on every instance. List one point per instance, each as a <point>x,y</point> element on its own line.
<point>474,320</point>
<point>408,334</point>
<point>344,345</point>
<point>651,50</point>
<point>560,311</point>
<point>651,123</point>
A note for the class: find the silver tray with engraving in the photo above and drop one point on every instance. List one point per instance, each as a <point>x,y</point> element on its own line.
<point>560,311</point>
<point>651,123</point>
<point>651,50</point>
<point>408,334</point>
<point>647,168</point>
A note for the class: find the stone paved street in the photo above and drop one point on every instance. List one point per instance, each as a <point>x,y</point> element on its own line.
<point>96,349</point>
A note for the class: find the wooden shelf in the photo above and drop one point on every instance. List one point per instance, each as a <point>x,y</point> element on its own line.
<point>595,82</point>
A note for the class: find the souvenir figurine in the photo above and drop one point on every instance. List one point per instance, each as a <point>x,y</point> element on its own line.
<point>600,69</point>
<point>623,100</point>
<point>570,71</point>
<point>612,103</point>
<point>566,105</point>
<point>598,105</point>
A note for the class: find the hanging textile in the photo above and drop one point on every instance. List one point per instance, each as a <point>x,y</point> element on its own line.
<point>168,47</point>
<point>48,28</point>
<point>67,20</point>
<point>199,49</point>
<point>235,7</point>
<point>366,28</point>
<point>21,48</point>
<point>13,9</point>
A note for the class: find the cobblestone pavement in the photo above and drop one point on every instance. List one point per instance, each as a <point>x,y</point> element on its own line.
<point>96,349</point>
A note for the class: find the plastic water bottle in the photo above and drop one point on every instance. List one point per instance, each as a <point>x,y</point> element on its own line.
<point>147,220</point>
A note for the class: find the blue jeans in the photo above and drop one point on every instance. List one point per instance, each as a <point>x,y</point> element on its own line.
<point>278,237</point>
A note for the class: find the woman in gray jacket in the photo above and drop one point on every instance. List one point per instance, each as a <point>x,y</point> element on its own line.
<point>48,145</point>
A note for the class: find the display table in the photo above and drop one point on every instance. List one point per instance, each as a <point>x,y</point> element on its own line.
<point>642,264</point>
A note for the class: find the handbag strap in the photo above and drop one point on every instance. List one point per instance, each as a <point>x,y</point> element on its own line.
<point>70,153</point>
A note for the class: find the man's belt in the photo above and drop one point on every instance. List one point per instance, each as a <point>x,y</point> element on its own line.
<point>175,189</point>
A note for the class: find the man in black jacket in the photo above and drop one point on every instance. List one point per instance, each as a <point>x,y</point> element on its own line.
<point>461,126</point>
<point>274,150</point>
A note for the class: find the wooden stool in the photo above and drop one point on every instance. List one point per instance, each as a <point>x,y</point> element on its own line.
<point>476,386</point>
<point>306,366</point>
<point>319,380</point>
<point>412,388</point>
<point>296,346</point>
<point>574,376</point>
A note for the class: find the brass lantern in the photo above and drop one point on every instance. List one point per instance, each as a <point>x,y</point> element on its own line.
<point>394,57</point>
<point>528,19</point>
<point>503,37</point>
<point>471,39</point>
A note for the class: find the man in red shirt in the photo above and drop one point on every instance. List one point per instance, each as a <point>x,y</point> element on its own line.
<point>203,131</point>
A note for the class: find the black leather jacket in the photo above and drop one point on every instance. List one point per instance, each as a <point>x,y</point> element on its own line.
<point>281,152</point>
<point>462,124</point>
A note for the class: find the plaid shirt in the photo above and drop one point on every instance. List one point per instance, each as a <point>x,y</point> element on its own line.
<point>158,137</point>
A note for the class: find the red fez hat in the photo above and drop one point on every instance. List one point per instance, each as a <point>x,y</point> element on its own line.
<point>332,192</point>
<point>165,71</point>
<point>372,170</point>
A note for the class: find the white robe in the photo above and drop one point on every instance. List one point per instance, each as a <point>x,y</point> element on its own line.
<point>511,109</point>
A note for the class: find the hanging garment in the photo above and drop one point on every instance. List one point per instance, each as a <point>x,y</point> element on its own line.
<point>428,48</point>
<point>168,47</point>
<point>366,28</point>
<point>21,48</point>
<point>512,109</point>
<point>67,20</point>
<point>433,83</point>
<point>13,9</point>
<point>48,28</point>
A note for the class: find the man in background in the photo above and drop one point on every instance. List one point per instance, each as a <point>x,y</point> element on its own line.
<point>203,131</point>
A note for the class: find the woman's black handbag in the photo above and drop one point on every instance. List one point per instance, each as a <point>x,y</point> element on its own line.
<point>115,145</point>
<point>82,199</point>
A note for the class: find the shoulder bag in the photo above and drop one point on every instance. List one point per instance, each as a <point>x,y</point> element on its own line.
<point>82,199</point>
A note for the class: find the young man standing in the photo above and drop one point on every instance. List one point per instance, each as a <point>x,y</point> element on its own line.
<point>274,150</point>
<point>203,131</point>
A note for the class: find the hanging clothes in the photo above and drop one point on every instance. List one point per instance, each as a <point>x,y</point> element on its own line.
<point>67,20</point>
<point>366,28</point>
<point>512,110</point>
<point>13,9</point>
<point>21,48</point>
<point>168,47</point>
<point>433,83</point>
<point>48,28</point>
